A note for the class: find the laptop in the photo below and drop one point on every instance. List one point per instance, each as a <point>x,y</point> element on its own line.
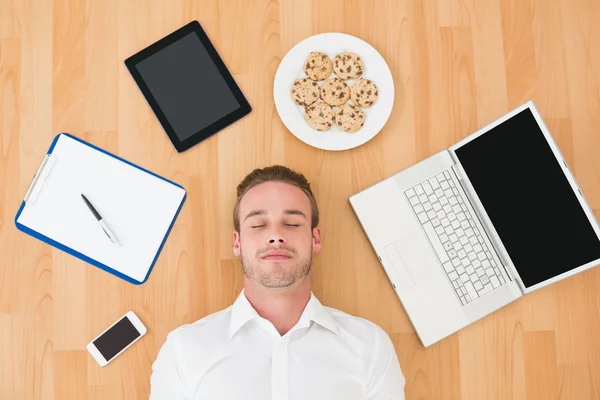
<point>480,224</point>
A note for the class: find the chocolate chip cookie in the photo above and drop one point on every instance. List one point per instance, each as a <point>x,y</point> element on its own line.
<point>318,66</point>
<point>305,91</point>
<point>350,118</point>
<point>319,116</point>
<point>335,92</point>
<point>348,65</point>
<point>364,93</point>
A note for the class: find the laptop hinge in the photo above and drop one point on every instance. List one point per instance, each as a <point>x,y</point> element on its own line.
<point>457,172</point>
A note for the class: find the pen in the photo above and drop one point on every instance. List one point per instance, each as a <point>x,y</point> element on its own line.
<point>105,227</point>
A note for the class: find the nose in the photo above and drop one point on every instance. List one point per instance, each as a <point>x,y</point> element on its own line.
<point>275,239</point>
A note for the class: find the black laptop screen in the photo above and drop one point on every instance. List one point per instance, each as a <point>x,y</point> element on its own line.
<point>529,199</point>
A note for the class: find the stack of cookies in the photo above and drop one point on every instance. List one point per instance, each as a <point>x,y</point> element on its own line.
<point>328,103</point>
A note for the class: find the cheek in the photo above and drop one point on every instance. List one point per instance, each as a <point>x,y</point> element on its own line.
<point>301,241</point>
<point>249,244</point>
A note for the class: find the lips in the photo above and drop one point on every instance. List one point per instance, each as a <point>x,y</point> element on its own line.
<point>276,255</point>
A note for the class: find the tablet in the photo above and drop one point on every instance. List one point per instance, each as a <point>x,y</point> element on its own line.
<point>187,85</point>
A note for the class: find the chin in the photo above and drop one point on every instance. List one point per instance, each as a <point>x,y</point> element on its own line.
<point>271,262</point>
<point>275,265</point>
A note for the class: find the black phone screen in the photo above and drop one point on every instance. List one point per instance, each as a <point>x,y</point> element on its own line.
<point>119,336</point>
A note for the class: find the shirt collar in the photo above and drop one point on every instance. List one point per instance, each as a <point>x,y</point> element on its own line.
<point>242,312</point>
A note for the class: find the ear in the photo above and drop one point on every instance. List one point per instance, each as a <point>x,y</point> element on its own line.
<point>316,238</point>
<point>236,243</point>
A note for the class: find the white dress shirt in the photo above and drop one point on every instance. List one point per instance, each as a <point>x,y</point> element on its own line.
<point>237,354</point>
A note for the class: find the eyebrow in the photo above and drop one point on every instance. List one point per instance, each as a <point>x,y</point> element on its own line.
<point>263,212</point>
<point>255,212</point>
<point>294,212</point>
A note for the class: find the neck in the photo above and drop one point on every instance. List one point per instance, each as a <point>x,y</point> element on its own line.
<point>282,307</point>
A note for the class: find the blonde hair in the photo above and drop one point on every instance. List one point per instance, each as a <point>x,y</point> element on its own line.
<point>277,173</point>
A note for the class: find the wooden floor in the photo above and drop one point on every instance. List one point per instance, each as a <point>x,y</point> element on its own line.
<point>457,65</point>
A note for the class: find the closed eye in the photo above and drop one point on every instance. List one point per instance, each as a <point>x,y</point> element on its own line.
<point>260,226</point>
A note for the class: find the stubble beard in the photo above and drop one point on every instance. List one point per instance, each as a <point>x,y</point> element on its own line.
<point>280,278</point>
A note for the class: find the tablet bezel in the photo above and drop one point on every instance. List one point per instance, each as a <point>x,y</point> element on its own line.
<point>206,132</point>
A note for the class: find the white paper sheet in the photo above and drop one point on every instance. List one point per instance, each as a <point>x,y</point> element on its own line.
<point>138,208</point>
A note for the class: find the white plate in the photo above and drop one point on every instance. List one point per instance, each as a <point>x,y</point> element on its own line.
<point>374,69</point>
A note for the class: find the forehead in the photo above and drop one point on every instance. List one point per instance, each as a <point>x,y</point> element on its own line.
<point>274,196</point>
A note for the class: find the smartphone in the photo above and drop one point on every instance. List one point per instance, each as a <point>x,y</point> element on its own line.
<point>116,338</point>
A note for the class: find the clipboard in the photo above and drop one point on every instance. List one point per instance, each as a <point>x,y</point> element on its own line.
<point>140,206</point>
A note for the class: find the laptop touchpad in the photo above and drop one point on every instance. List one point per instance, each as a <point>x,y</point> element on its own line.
<point>396,259</point>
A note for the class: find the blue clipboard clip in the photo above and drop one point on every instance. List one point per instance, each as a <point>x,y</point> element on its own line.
<point>39,179</point>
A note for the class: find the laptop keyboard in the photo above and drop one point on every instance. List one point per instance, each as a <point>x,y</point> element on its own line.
<point>450,227</point>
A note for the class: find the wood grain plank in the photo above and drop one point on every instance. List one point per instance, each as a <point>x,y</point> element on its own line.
<point>290,32</point>
<point>70,368</point>
<point>445,369</point>
<point>10,19</point>
<point>101,65</point>
<point>562,131</point>
<point>104,392</point>
<point>336,286</point>
<point>511,361</point>
<point>540,365</point>
<point>37,350</point>
<point>10,199</point>
<point>35,112</point>
<point>540,310</point>
<point>491,356</point>
<point>454,13</point>
<point>572,327</point>
<point>34,284</point>
<point>550,56</point>
<point>431,373</point>
<point>458,114</point>
<point>68,70</point>
<point>415,366</point>
<point>592,367</point>
<point>519,51</point>
<point>424,50</point>
<point>330,16</point>
<point>12,379</point>
<point>583,74</point>
<point>396,149</point>
<point>70,286</point>
<point>489,69</point>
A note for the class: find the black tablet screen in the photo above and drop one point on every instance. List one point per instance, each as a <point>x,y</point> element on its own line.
<point>187,86</point>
